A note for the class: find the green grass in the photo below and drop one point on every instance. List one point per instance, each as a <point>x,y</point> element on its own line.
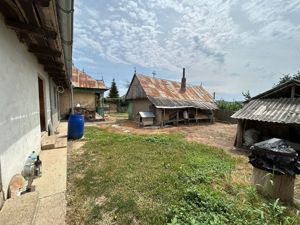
<point>116,114</point>
<point>139,179</point>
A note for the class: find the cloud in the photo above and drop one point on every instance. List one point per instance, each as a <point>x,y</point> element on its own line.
<point>229,41</point>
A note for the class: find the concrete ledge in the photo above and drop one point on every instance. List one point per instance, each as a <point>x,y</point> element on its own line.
<point>20,210</point>
<point>48,142</point>
<point>51,210</point>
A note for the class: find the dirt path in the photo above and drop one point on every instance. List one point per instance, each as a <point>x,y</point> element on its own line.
<point>217,134</point>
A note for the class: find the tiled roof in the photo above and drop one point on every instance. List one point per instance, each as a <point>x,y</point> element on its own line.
<point>167,94</point>
<point>281,110</point>
<point>82,80</point>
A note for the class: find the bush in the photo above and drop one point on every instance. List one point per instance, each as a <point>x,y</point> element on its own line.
<point>233,106</point>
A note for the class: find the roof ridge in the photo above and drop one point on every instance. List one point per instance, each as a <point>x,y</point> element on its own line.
<point>191,85</point>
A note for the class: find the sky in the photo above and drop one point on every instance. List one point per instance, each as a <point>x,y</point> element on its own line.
<point>228,46</point>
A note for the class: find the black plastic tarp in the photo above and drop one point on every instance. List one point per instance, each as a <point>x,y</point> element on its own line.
<point>275,156</point>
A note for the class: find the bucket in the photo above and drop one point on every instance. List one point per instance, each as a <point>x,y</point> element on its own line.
<point>75,126</point>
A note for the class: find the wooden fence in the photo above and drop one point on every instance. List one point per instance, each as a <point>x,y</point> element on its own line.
<point>224,115</point>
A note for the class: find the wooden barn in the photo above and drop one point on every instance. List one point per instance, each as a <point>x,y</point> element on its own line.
<point>171,102</point>
<point>274,113</point>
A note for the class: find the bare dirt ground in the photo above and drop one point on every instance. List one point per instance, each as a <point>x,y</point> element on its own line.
<point>220,135</point>
<point>217,134</point>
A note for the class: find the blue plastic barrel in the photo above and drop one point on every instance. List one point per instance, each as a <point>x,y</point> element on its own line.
<point>75,126</point>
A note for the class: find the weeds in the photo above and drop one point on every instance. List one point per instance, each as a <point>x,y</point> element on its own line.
<point>124,178</point>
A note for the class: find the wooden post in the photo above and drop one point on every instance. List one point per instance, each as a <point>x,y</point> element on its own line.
<point>293,92</point>
<point>239,134</point>
<point>275,186</point>
<point>188,112</point>
<point>164,115</point>
<point>177,118</point>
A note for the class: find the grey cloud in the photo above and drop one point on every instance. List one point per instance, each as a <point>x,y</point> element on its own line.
<point>199,46</point>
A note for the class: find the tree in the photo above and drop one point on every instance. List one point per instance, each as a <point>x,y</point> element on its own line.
<point>113,92</point>
<point>246,95</point>
<point>288,77</point>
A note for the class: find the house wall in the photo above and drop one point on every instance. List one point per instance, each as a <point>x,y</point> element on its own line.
<point>158,116</point>
<point>85,99</point>
<point>139,105</point>
<point>19,114</point>
<point>135,90</point>
<point>65,103</point>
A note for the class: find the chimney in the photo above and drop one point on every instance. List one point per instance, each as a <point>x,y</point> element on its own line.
<point>183,81</point>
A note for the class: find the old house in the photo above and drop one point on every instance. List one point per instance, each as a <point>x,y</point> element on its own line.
<point>171,102</point>
<point>35,61</point>
<point>87,92</point>
<point>274,113</point>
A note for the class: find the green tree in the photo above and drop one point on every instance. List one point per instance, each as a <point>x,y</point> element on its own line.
<point>287,77</point>
<point>246,95</point>
<point>113,92</point>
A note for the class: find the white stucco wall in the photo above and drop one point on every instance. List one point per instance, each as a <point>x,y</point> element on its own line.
<point>19,100</point>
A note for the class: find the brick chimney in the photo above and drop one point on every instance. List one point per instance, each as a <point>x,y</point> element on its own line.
<point>183,81</point>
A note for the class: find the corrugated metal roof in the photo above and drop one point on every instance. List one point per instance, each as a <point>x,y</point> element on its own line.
<point>82,80</point>
<point>146,114</point>
<point>282,110</point>
<point>278,89</point>
<point>167,103</point>
<point>167,94</point>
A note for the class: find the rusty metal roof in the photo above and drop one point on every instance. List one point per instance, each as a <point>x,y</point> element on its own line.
<point>167,94</point>
<point>167,103</point>
<point>82,80</point>
<point>281,110</point>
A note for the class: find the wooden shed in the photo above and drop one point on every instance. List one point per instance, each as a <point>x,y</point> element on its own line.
<point>171,102</point>
<point>274,113</point>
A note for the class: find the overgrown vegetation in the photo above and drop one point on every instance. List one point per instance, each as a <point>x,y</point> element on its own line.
<point>233,106</point>
<point>160,179</point>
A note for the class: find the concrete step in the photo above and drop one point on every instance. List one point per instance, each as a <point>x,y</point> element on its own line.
<point>61,142</point>
<point>20,210</point>
<point>48,142</point>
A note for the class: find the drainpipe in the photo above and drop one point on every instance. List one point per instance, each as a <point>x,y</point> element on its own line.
<point>65,10</point>
<point>72,99</point>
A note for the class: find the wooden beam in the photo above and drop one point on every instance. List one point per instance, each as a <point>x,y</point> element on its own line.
<point>42,50</point>
<point>57,75</point>
<point>10,10</point>
<point>50,62</point>
<point>53,70</point>
<point>293,92</point>
<point>48,33</point>
<point>28,11</point>
<point>239,134</point>
<point>53,67</point>
<point>42,3</point>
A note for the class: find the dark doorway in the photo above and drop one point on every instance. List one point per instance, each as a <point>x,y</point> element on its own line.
<point>42,105</point>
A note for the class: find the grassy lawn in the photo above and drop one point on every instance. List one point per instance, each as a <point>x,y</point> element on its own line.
<point>163,179</point>
<point>116,114</point>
